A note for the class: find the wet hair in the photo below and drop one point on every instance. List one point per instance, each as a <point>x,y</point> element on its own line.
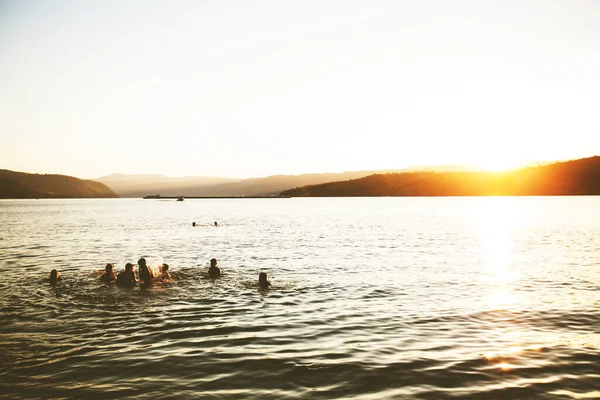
<point>54,274</point>
<point>213,261</point>
<point>262,277</point>
<point>109,267</point>
<point>165,267</point>
<point>144,270</point>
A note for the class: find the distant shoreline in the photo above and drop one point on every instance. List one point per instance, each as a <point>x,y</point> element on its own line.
<point>298,197</point>
<point>153,197</point>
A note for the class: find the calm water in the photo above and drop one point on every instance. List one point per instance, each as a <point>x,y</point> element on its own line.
<point>372,298</point>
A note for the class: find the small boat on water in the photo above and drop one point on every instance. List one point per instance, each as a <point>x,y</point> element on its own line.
<point>180,198</point>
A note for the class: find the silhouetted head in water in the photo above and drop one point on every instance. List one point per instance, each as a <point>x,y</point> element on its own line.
<point>216,223</point>
<point>214,271</point>
<point>146,275</point>
<point>109,276</point>
<point>129,268</point>
<point>193,224</point>
<point>127,277</point>
<point>141,266</point>
<point>262,280</point>
<point>165,272</point>
<point>54,276</point>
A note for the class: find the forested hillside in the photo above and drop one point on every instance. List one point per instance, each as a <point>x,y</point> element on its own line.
<point>20,185</point>
<point>577,177</point>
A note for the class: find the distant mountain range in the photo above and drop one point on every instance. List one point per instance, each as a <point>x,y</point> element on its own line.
<point>445,180</point>
<point>577,177</point>
<point>143,185</point>
<point>20,185</point>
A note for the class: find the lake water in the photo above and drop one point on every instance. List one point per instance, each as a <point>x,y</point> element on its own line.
<point>424,298</point>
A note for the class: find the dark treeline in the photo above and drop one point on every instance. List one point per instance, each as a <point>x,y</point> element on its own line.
<point>20,185</point>
<point>578,177</point>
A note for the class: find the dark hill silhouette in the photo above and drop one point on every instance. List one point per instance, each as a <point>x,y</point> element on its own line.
<point>21,185</point>
<point>577,177</point>
<point>143,185</point>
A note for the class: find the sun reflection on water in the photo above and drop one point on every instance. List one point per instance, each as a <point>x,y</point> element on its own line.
<point>497,220</point>
<point>506,366</point>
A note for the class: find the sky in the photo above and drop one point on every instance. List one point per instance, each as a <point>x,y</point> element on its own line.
<point>255,88</point>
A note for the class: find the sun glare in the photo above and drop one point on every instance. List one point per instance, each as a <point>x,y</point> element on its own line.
<point>497,165</point>
<point>497,220</point>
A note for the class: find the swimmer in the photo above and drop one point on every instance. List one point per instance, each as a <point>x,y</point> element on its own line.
<point>54,277</point>
<point>109,276</point>
<point>127,277</point>
<point>214,271</point>
<point>165,276</point>
<point>216,223</point>
<point>262,280</point>
<point>193,224</point>
<point>146,275</point>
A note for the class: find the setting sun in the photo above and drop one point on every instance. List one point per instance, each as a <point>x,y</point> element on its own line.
<point>500,163</point>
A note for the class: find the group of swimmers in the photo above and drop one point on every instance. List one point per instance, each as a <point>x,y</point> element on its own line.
<point>146,276</point>
<point>127,278</point>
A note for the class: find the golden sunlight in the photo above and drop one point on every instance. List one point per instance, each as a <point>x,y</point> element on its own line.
<point>506,366</point>
<point>495,225</point>
<point>502,298</point>
<point>498,164</point>
<point>497,220</point>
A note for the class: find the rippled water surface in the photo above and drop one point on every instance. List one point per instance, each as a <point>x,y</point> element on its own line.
<point>372,298</point>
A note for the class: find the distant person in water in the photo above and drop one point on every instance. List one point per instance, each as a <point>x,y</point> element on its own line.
<point>216,223</point>
<point>262,280</point>
<point>214,271</point>
<point>54,277</point>
<point>193,224</point>
<point>127,277</point>
<point>109,276</point>
<point>146,275</point>
<point>165,275</point>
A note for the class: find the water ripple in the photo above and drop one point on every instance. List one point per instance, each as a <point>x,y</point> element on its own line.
<point>354,311</point>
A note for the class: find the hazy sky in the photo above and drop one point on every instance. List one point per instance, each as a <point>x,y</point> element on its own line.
<point>254,88</point>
